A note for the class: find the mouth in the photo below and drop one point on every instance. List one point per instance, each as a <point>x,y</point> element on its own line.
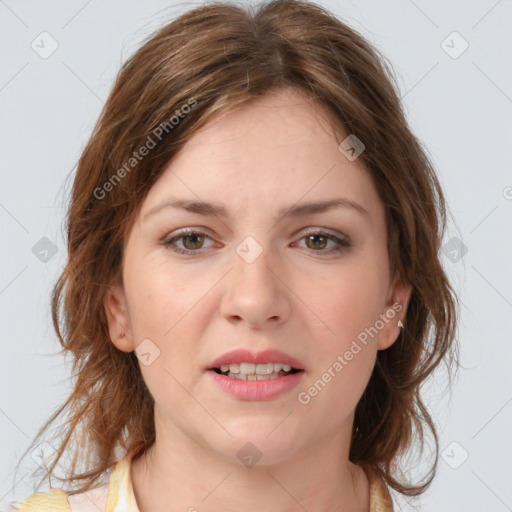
<point>252,371</point>
<point>247,375</point>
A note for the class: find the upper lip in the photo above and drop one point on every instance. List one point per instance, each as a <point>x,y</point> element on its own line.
<point>246,356</point>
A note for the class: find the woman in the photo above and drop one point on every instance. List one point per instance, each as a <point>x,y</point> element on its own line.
<point>253,295</point>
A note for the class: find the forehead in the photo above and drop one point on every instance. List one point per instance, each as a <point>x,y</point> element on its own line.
<point>277,150</point>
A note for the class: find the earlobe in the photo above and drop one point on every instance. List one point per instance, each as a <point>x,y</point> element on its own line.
<point>118,319</point>
<point>395,312</point>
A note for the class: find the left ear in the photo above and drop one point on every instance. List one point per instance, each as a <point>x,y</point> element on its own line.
<point>394,310</point>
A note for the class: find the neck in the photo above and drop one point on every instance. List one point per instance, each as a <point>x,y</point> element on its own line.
<point>177,473</point>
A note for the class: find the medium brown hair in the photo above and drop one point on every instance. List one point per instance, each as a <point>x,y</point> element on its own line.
<point>219,57</point>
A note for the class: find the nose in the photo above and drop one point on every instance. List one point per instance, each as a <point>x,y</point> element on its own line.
<point>255,293</point>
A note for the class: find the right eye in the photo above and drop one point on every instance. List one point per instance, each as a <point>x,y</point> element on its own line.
<point>192,241</point>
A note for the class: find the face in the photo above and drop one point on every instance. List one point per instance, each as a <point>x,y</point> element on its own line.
<point>312,283</point>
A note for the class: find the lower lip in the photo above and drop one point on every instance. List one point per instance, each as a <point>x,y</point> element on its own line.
<point>256,389</point>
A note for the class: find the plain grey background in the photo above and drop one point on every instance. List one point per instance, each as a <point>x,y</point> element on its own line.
<point>453,61</point>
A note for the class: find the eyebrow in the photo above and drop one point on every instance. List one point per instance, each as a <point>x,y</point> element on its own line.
<point>294,211</point>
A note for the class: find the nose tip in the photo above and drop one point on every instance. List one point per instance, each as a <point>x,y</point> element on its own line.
<point>253,293</point>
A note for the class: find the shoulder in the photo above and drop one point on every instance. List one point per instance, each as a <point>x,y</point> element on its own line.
<point>380,499</point>
<point>113,495</point>
<point>58,500</point>
<point>54,500</point>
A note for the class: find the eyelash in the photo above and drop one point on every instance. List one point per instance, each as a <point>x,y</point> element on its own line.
<point>342,244</point>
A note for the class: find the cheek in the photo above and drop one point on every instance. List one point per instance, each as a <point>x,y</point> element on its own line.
<point>161,310</point>
<point>157,299</point>
<point>342,366</point>
<point>345,302</point>
<point>172,308</point>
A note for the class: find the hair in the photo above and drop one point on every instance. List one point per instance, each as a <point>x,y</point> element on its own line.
<point>215,59</point>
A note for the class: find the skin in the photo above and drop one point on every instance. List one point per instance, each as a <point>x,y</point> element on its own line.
<point>296,297</point>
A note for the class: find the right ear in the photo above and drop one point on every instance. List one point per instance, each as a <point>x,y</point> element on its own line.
<point>119,327</point>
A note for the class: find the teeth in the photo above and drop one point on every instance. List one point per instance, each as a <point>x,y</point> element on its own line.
<point>243,376</point>
<point>247,368</point>
<point>252,370</point>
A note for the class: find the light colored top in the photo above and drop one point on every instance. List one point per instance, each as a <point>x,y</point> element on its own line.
<point>117,496</point>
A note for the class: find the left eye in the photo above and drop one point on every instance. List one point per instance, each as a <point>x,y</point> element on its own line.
<point>316,240</point>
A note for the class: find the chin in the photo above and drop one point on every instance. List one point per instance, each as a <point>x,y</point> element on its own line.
<point>252,447</point>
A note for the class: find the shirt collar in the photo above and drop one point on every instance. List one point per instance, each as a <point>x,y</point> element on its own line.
<point>121,497</point>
